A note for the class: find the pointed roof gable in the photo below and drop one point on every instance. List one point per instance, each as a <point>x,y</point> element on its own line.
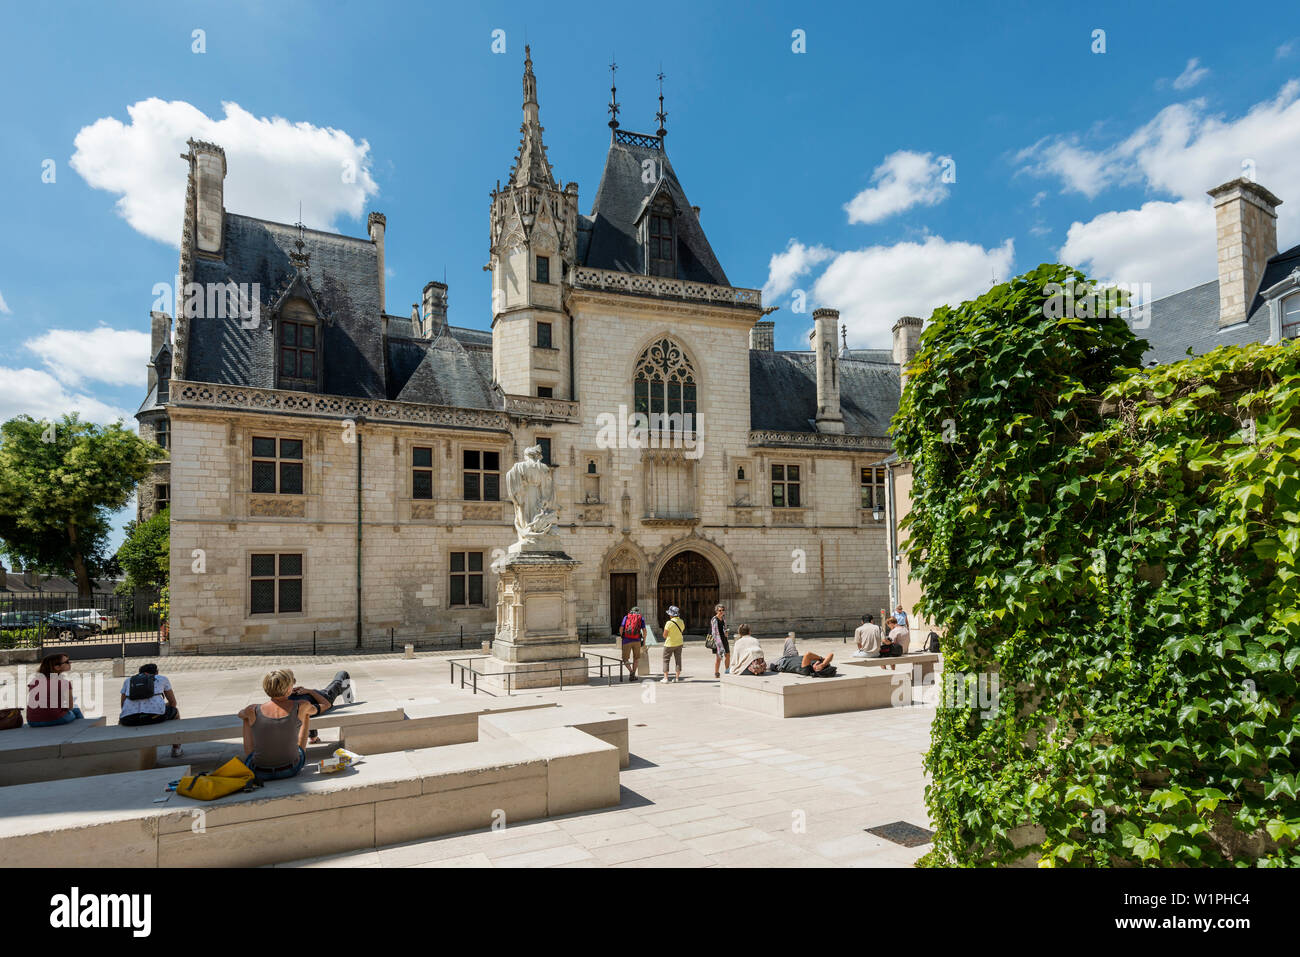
<point>620,201</point>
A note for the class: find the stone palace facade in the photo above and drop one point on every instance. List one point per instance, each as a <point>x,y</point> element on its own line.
<point>337,471</point>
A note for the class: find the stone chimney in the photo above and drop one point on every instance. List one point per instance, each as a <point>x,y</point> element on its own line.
<point>160,333</point>
<point>435,307</point>
<point>32,579</point>
<point>1245,224</point>
<point>376,225</point>
<point>825,346</point>
<point>762,335</point>
<point>907,338</point>
<point>210,180</point>
<point>417,323</point>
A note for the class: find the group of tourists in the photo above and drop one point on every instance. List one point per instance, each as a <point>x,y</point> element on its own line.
<point>276,732</point>
<point>894,641</point>
<point>870,640</point>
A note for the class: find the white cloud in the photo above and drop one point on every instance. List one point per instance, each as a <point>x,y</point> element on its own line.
<point>1170,245</point>
<point>1284,50</point>
<point>874,287</point>
<point>786,267</point>
<point>905,179</point>
<point>1181,152</point>
<point>272,165</point>
<point>4,307</point>
<point>40,395</point>
<point>114,356</point>
<point>1192,74</point>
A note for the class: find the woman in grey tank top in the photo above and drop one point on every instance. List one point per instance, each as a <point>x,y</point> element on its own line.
<point>274,745</point>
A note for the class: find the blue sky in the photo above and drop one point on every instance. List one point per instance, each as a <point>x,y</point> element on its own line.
<point>822,171</point>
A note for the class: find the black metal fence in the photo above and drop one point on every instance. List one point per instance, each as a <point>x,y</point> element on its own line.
<point>93,626</point>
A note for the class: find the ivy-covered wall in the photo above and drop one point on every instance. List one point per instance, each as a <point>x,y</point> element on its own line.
<point>1119,547</point>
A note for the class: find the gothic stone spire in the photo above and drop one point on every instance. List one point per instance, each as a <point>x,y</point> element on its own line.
<point>531,166</point>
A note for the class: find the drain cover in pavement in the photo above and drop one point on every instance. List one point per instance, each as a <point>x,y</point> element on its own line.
<point>900,832</point>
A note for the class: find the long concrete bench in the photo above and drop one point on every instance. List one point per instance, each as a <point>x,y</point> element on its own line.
<point>925,660</point>
<point>605,725</point>
<point>24,750</point>
<point>796,696</point>
<point>112,820</point>
<point>99,748</point>
<point>432,722</point>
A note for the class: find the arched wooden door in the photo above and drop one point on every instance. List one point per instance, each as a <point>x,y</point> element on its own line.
<point>690,582</point>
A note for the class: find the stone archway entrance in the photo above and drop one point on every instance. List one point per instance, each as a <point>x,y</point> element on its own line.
<point>690,582</point>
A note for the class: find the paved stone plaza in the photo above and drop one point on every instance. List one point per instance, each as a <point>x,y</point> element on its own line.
<point>707,785</point>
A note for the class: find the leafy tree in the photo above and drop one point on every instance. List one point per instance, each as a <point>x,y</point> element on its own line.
<point>1119,548</point>
<point>59,485</point>
<point>144,554</point>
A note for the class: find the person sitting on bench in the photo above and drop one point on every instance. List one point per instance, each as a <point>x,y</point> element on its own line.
<point>49,694</point>
<point>747,650</point>
<point>147,698</point>
<point>275,732</point>
<point>323,699</point>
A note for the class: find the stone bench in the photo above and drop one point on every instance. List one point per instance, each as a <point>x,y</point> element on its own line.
<point>25,751</point>
<point>796,696</point>
<point>104,749</point>
<point>605,725</point>
<point>926,660</point>
<point>433,722</point>
<point>112,820</point>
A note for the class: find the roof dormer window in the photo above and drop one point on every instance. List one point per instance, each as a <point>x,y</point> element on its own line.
<point>661,246</point>
<point>298,347</point>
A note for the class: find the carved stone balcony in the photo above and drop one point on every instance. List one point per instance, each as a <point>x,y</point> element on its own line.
<point>608,280</point>
<point>538,407</point>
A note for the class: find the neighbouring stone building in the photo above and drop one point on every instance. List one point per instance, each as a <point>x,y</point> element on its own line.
<point>337,470</point>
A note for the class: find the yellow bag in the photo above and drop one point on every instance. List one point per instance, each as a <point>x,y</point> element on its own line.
<point>227,779</point>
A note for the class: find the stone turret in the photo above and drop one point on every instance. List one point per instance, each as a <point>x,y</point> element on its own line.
<point>435,309</point>
<point>762,335</point>
<point>210,183</point>
<point>533,228</point>
<point>825,345</point>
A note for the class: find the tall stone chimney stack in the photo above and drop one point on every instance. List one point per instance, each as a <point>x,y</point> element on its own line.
<point>1245,224</point>
<point>907,338</point>
<point>210,184</point>
<point>376,225</point>
<point>160,331</point>
<point>762,335</point>
<point>435,307</point>
<point>825,344</point>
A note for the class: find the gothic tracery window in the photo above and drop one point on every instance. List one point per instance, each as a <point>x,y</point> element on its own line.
<point>664,383</point>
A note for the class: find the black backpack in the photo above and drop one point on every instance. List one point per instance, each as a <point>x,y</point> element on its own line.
<point>932,642</point>
<point>141,687</point>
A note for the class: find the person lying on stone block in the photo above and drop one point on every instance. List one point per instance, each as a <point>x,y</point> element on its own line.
<point>323,699</point>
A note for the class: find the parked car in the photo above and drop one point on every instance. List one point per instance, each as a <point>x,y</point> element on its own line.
<point>60,628</point>
<point>20,620</point>
<point>91,616</point>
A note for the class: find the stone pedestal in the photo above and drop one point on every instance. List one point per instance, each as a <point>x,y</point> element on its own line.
<point>537,630</point>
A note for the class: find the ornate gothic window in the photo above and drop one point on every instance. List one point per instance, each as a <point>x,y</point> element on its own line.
<point>664,383</point>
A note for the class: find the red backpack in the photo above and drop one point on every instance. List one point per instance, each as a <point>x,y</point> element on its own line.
<point>632,625</point>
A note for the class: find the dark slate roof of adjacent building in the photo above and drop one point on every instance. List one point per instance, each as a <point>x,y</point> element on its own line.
<point>343,278</point>
<point>786,400</point>
<point>451,374</point>
<point>610,241</point>
<point>1190,320</point>
<point>1275,270</point>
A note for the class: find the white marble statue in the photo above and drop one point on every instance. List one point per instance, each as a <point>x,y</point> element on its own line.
<point>531,488</point>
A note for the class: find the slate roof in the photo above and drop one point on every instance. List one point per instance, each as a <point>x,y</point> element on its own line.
<point>608,238</point>
<point>1190,319</point>
<point>783,393</point>
<point>343,276</point>
<point>449,373</point>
